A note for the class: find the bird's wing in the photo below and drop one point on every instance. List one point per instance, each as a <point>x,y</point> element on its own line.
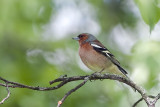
<point>103,50</point>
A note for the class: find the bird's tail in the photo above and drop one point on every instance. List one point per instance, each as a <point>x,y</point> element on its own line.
<point>125,75</point>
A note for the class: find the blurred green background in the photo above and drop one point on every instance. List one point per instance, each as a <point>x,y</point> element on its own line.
<point>36,47</point>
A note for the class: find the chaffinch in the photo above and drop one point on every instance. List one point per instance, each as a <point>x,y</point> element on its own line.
<point>97,57</point>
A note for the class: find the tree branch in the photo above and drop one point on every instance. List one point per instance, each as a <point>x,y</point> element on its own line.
<point>71,91</point>
<point>8,95</point>
<point>151,103</point>
<point>95,76</point>
<point>18,85</point>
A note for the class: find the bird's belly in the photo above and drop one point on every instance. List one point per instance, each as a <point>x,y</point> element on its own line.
<point>95,63</point>
<point>94,67</point>
<point>106,67</point>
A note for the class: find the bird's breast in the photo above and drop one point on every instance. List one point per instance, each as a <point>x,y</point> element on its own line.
<point>92,59</point>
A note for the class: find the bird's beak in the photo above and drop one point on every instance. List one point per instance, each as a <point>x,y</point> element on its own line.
<point>76,38</point>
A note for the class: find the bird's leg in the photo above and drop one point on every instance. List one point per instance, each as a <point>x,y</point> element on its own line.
<point>92,75</point>
<point>97,73</point>
<point>100,72</point>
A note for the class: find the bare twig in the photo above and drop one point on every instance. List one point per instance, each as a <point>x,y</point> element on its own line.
<point>71,91</point>
<point>150,102</point>
<point>95,76</point>
<point>8,95</point>
<point>18,85</point>
<point>75,78</point>
<point>135,104</point>
<point>156,98</point>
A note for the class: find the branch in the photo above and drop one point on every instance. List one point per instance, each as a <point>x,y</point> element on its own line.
<point>18,85</point>
<point>156,98</point>
<point>151,103</point>
<point>71,91</point>
<point>8,95</point>
<point>135,104</point>
<point>95,76</point>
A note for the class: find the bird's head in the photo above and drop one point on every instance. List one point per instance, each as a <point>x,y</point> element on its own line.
<point>84,38</point>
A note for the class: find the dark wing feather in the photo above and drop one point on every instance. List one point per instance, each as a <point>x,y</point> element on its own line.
<point>106,52</point>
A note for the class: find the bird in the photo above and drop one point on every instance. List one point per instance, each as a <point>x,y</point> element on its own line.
<point>97,57</point>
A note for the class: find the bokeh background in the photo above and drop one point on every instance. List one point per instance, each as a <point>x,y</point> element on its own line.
<point>36,47</point>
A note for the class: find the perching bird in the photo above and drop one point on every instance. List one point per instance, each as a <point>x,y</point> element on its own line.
<point>97,57</point>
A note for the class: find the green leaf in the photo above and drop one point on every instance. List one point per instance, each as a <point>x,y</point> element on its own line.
<point>150,11</point>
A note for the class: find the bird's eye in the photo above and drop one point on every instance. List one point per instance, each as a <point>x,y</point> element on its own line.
<point>80,36</point>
